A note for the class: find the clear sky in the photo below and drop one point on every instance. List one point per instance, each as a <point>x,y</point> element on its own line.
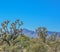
<point>33,13</point>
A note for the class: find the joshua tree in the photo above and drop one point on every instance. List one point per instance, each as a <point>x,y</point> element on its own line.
<point>16,27</point>
<point>14,31</point>
<point>5,26</point>
<point>42,33</point>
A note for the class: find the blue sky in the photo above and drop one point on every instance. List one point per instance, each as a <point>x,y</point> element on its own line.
<point>33,13</point>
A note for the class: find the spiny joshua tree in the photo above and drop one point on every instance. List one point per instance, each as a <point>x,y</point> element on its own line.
<point>10,37</point>
<point>14,26</point>
<point>5,26</point>
<point>42,33</point>
<point>13,33</point>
